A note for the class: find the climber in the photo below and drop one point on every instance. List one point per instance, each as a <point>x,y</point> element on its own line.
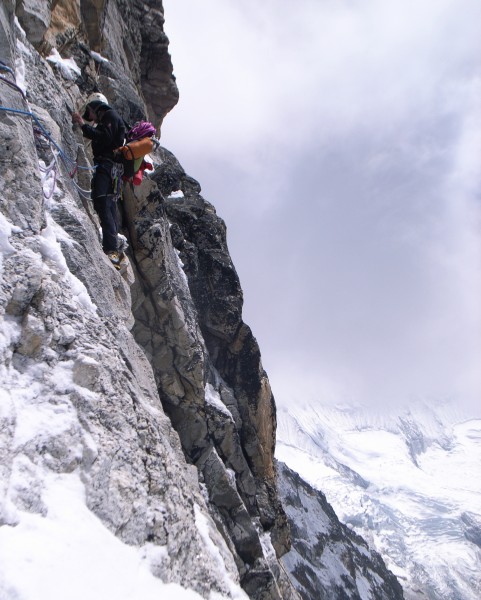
<point>107,135</point>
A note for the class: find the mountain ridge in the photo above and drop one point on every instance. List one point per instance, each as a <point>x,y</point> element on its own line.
<point>414,490</point>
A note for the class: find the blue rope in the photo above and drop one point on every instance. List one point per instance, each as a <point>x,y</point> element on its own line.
<point>5,67</point>
<point>13,85</point>
<point>46,134</point>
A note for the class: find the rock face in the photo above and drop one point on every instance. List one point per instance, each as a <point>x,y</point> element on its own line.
<point>206,362</point>
<point>111,353</point>
<point>145,386</point>
<point>35,18</point>
<point>328,560</point>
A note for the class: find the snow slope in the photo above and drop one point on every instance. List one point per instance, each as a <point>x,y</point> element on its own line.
<point>52,547</point>
<point>68,553</point>
<point>408,483</point>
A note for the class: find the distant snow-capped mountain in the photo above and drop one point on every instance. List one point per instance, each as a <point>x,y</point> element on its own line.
<point>408,482</point>
<point>328,560</point>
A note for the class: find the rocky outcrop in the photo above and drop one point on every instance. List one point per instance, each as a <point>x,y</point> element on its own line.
<point>35,18</point>
<point>225,418</point>
<point>131,59</point>
<point>328,560</point>
<point>199,236</point>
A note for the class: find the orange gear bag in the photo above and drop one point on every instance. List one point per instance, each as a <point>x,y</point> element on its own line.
<point>137,149</point>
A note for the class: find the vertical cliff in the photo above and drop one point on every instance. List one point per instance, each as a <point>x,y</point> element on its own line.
<point>142,390</point>
<point>152,370</point>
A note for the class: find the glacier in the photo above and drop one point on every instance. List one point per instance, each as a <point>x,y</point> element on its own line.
<point>407,480</point>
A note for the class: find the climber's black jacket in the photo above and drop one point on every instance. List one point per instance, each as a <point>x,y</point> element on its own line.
<point>108,135</point>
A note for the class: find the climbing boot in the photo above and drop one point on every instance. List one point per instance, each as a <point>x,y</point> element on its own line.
<point>114,258</point>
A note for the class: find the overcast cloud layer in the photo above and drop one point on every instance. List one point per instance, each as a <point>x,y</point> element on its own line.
<point>341,143</point>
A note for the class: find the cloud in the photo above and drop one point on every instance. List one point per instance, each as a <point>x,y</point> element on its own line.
<point>340,141</point>
<point>254,68</point>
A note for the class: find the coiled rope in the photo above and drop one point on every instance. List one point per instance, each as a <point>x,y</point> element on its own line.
<point>70,164</point>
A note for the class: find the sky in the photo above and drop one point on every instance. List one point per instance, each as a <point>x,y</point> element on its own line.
<point>341,143</point>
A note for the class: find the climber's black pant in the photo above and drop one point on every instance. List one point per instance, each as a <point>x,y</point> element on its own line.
<point>105,205</point>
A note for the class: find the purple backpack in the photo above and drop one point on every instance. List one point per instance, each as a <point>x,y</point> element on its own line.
<point>140,130</point>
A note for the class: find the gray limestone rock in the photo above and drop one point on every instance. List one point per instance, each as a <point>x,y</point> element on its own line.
<point>217,296</point>
<point>34,17</point>
<point>219,438</point>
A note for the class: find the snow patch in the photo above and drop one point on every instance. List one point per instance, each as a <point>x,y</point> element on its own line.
<point>363,587</point>
<point>176,194</point>
<point>20,70</point>
<point>203,528</point>
<point>6,248</point>
<point>78,544</point>
<point>10,333</point>
<point>21,47</point>
<point>213,398</point>
<point>50,249</point>
<point>43,419</point>
<point>67,66</point>
<point>267,547</point>
<point>19,27</point>
<point>181,271</point>
<point>98,57</point>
